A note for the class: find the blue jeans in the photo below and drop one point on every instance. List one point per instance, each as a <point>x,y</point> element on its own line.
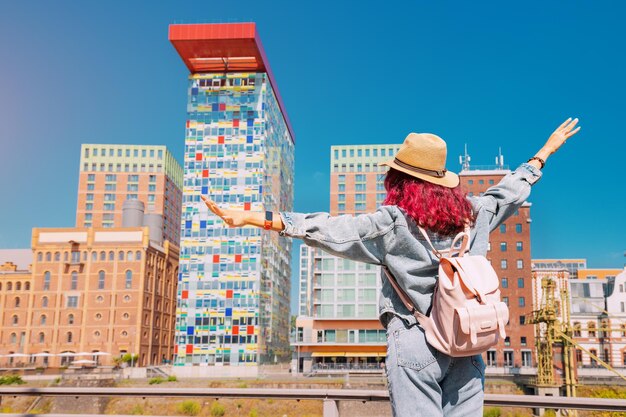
<point>425,382</point>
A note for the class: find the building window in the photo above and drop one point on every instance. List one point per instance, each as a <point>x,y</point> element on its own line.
<point>521,301</point>
<point>519,246</point>
<point>523,340</point>
<point>503,228</point>
<point>503,246</point>
<point>111,256</point>
<point>17,301</point>
<point>527,358</point>
<point>505,300</point>
<point>503,264</point>
<point>505,282</point>
<point>72,301</point>
<point>522,320</point>
<point>518,228</point>
<point>69,337</point>
<point>14,320</point>
<point>508,358</point>
<point>491,358</point>
<point>101,280</point>
<point>129,279</point>
<point>593,360</point>
<point>579,357</point>
<point>13,338</point>
<point>591,329</point>
<point>520,264</point>
<point>41,337</point>
<point>577,328</point>
<point>120,255</point>
<point>42,320</point>
<point>74,282</point>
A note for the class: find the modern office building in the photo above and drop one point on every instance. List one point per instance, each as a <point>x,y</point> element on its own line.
<point>112,174</point>
<point>91,293</point>
<point>338,327</point>
<point>356,180</point>
<point>509,254</point>
<point>234,284</point>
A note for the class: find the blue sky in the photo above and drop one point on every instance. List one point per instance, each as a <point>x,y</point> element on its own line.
<point>490,74</point>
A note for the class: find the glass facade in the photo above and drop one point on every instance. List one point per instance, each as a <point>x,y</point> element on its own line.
<point>233,292</point>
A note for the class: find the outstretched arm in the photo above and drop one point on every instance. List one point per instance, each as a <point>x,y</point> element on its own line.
<point>361,238</point>
<point>504,198</point>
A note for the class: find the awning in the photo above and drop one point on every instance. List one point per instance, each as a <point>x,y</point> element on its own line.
<point>364,354</point>
<point>327,354</point>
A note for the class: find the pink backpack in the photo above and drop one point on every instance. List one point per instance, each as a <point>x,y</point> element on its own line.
<point>467,316</point>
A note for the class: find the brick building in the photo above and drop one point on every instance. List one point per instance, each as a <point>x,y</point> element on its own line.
<point>108,290</point>
<point>509,253</point>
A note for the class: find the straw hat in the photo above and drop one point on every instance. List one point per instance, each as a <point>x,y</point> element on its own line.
<point>423,155</point>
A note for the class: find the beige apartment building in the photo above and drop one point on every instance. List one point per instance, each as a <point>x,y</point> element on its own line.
<point>111,174</point>
<point>91,294</point>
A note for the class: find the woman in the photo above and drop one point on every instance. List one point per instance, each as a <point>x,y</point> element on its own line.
<point>420,192</point>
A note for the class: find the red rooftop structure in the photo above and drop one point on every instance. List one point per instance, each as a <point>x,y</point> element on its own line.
<point>224,47</point>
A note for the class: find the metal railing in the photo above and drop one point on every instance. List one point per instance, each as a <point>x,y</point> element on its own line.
<point>346,367</point>
<point>329,396</point>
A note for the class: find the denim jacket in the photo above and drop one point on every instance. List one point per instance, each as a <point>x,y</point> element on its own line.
<point>388,237</point>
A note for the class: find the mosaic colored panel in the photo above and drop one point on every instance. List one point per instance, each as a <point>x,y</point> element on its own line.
<point>233,293</point>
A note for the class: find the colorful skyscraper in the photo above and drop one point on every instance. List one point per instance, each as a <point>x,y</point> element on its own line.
<point>233,305</point>
<point>112,174</point>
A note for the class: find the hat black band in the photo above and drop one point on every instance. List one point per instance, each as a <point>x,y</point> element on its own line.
<point>429,172</point>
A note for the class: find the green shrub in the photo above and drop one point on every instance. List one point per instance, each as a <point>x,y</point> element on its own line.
<point>157,380</point>
<point>492,412</point>
<point>137,410</point>
<point>11,379</point>
<point>172,378</point>
<point>254,413</point>
<point>549,413</point>
<point>217,409</point>
<point>189,408</point>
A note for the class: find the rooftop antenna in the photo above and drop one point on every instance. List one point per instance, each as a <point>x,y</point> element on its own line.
<point>500,159</point>
<point>464,160</point>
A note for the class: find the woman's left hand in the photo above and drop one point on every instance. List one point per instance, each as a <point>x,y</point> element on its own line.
<point>233,218</point>
<point>561,135</point>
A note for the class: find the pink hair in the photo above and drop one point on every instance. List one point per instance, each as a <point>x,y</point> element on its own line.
<point>439,209</point>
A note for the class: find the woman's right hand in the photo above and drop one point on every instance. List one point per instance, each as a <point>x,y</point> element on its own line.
<point>233,218</point>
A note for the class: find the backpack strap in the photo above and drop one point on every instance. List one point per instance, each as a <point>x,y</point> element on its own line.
<point>435,251</point>
<point>403,295</point>
<point>463,236</point>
